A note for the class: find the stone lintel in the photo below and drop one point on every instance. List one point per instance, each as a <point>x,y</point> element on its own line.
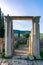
<point>37,16</point>
<point>22,17</point>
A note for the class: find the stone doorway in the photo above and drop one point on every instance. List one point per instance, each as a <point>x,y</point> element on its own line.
<point>34,37</point>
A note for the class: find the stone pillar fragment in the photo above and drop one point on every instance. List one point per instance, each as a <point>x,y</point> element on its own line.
<point>8,41</point>
<point>32,33</point>
<point>30,44</point>
<point>31,40</point>
<point>35,44</point>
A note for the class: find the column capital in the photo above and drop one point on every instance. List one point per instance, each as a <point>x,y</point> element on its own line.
<point>36,19</point>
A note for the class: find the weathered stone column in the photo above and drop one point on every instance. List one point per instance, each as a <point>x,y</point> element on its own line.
<point>1,48</point>
<point>12,37</point>
<point>32,31</point>
<point>31,47</point>
<point>35,44</point>
<point>8,34</point>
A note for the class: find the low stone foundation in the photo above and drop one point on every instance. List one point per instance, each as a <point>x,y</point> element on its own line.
<point>21,62</point>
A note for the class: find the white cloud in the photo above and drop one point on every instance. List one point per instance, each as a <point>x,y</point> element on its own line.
<point>22,25</point>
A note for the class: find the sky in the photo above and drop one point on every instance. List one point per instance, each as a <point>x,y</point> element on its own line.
<point>23,8</point>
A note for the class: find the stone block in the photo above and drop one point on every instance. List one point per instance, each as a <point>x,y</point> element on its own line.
<point>31,57</point>
<point>4,63</point>
<point>23,57</point>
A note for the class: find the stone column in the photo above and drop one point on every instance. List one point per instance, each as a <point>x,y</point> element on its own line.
<point>30,45</point>
<point>1,48</point>
<point>32,31</point>
<point>35,44</point>
<point>8,41</point>
<point>31,40</point>
<point>12,36</point>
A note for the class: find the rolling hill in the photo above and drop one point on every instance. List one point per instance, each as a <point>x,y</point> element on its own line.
<point>21,32</point>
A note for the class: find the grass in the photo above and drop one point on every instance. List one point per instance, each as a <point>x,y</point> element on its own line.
<point>4,57</point>
<point>41,54</point>
<point>16,46</point>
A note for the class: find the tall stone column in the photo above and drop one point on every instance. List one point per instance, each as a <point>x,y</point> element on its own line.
<point>12,37</point>
<point>8,41</point>
<point>30,51</point>
<point>31,40</point>
<point>32,37</point>
<point>29,45</point>
<point>35,44</point>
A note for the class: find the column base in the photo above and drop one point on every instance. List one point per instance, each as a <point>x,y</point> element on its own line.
<point>6,55</point>
<point>38,57</point>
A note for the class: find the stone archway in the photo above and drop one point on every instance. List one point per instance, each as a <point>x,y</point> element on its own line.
<point>34,45</point>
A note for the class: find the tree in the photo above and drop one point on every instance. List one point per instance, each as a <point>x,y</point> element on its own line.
<point>19,34</point>
<point>1,24</point>
<point>26,35</point>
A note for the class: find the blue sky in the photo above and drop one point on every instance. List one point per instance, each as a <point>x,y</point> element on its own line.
<point>23,8</point>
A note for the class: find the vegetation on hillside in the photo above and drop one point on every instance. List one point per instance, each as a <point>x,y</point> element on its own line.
<point>26,35</point>
<point>41,36</point>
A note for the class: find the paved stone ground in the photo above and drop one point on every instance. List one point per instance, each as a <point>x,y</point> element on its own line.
<point>22,50</point>
<point>13,62</point>
<point>19,62</point>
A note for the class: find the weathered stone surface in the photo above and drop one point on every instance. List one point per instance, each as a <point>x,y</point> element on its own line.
<point>8,39</point>
<point>31,57</point>
<point>23,57</point>
<point>15,57</point>
<point>34,45</point>
<point>20,62</point>
<point>4,63</point>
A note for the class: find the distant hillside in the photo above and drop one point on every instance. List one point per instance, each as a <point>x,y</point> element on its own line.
<point>21,32</point>
<point>26,32</point>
